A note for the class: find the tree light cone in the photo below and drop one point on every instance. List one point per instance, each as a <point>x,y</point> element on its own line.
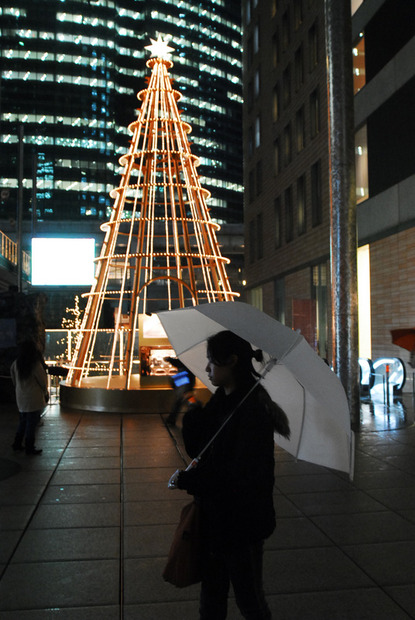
<point>160,250</point>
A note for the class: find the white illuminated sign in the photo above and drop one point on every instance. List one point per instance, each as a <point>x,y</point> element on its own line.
<point>62,261</point>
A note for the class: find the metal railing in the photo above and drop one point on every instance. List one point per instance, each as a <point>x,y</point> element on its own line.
<point>9,250</point>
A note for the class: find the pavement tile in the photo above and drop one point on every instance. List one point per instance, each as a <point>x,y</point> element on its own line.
<point>20,494</point>
<point>86,476</point>
<point>395,499</point>
<point>387,563</point>
<point>81,493</point>
<point>92,452</point>
<point>68,544</point>
<point>142,491</point>
<point>76,515</point>
<point>178,610</point>
<point>367,527</point>
<point>303,484</point>
<point>336,502</point>
<point>383,480</point>
<point>148,540</point>
<point>144,583</point>
<point>79,463</point>
<point>147,475</point>
<point>153,459</point>
<point>154,512</point>
<point>15,517</point>
<point>8,544</point>
<point>360,604</point>
<point>295,533</point>
<point>60,584</point>
<point>111,612</point>
<point>404,596</point>
<point>311,570</point>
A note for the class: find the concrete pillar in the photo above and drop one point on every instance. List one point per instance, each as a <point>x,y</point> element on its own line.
<point>343,200</point>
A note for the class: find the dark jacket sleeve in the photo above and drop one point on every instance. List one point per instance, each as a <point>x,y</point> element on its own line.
<point>241,460</point>
<point>195,430</point>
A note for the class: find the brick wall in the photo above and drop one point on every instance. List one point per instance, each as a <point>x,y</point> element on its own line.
<point>392,273</point>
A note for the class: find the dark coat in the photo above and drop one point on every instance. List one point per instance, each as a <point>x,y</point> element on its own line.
<point>235,478</point>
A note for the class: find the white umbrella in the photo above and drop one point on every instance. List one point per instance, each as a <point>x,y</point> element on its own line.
<point>300,382</point>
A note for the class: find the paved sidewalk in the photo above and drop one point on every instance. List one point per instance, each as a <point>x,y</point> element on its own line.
<point>86,526</point>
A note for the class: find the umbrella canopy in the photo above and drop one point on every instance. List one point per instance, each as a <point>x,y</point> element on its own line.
<point>300,382</point>
<point>404,338</point>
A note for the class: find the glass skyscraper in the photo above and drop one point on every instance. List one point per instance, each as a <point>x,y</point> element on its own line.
<point>70,71</point>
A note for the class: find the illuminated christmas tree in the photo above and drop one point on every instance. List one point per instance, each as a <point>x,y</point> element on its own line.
<point>160,250</point>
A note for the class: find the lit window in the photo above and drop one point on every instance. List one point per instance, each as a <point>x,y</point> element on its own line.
<point>301,207</point>
<point>257,131</point>
<point>276,104</point>
<point>359,65</point>
<point>300,129</point>
<point>361,164</point>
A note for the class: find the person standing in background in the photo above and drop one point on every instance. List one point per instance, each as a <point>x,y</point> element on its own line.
<point>31,384</point>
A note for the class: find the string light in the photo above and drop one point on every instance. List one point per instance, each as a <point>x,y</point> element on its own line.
<point>159,234</point>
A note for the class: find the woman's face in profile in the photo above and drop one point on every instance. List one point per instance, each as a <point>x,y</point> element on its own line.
<point>221,375</point>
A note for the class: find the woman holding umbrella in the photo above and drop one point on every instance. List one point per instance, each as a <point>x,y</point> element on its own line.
<point>235,478</point>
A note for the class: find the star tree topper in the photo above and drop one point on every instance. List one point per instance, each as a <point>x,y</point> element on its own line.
<point>159,48</point>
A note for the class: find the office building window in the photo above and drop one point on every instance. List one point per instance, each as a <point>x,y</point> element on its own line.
<point>286,87</point>
<point>289,215</point>
<point>255,297</point>
<point>276,103</point>
<point>301,205</point>
<point>257,84</point>
<point>250,145</point>
<point>256,38</point>
<point>259,236</point>
<point>316,199</point>
<point>251,186</point>
<point>247,11</point>
<point>278,223</point>
<point>314,113</point>
<point>258,184</point>
<point>252,239</point>
<point>313,46</point>
<point>285,30</point>
<point>257,131</point>
<point>279,299</point>
<point>275,51</point>
<point>300,129</point>
<point>250,95</point>
<point>277,156</point>
<point>299,67</point>
<point>250,51</point>
<point>298,13</point>
<point>359,65</point>
<point>287,144</point>
<point>320,297</point>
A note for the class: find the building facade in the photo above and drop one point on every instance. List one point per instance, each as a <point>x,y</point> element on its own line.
<point>286,164</point>
<point>70,72</point>
<point>286,167</point>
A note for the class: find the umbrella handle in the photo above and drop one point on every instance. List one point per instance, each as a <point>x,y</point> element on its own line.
<point>172,484</point>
